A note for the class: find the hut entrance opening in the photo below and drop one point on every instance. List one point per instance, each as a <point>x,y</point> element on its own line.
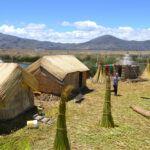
<point>80,79</point>
<point>120,70</point>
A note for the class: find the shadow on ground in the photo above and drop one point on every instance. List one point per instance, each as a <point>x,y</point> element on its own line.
<point>145,98</point>
<point>78,95</point>
<point>8,126</point>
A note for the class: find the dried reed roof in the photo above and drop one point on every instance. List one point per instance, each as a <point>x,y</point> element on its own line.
<point>146,73</point>
<point>126,60</point>
<point>11,77</point>
<point>58,65</point>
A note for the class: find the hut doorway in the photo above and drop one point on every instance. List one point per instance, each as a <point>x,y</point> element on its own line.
<point>120,70</point>
<point>80,79</point>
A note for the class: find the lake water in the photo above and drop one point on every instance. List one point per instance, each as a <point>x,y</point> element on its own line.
<point>24,65</point>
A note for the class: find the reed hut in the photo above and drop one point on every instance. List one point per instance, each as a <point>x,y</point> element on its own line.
<point>127,68</point>
<point>56,71</point>
<point>16,87</point>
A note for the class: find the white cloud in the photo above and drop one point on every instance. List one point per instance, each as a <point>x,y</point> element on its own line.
<point>83,25</point>
<point>82,31</point>
<point>126,28</point>
<point>11,30</point>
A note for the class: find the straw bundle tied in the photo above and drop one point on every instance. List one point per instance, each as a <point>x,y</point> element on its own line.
<point>146,73</point>
<point>61,140</point>
<point>96,76</point>
<point>99,77</point>
<point>107,119</point>
<point>102,75</point>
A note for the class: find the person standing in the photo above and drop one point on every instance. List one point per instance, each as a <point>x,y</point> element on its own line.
<point>115,83</point>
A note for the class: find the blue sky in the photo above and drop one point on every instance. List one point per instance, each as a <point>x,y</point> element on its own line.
<point>75,20</point>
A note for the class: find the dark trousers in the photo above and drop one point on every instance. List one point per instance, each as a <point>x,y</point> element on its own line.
<point>115,89</point>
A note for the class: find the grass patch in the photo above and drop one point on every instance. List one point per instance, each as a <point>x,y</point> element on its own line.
<point>15,143</point>
<point>132,133</point>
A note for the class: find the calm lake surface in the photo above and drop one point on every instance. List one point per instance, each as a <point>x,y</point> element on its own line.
<point>24,65</point>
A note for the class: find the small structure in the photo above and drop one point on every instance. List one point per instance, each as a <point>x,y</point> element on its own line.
<point>56,71</point>
<point>100,74</point>
<point>16,87</point>
<point>127,68</point>
<point>146,73</point>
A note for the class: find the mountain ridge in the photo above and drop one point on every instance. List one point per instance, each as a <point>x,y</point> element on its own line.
<point>105,42</point>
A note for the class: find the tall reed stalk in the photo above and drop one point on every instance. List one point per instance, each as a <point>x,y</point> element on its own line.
<point>61,140</point>
<point>107,119</point>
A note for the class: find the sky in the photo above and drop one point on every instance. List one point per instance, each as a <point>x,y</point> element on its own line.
<point>75,21</point>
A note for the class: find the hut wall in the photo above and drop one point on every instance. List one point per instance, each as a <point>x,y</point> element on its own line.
<point>72,79</point>
<point>47,83</point>
<point>131,72</point>
<point>84,77</point>
<point>124,73</point>
<point>22,100</point>
<point>128,72</point>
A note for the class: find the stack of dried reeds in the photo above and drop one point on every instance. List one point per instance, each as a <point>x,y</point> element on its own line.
<point>107,119</point>
<point>99,77</point>
<point>146,73</point>
<point>61,140</point>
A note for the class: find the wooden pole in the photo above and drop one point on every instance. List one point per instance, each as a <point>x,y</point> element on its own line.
<point>141,111</point>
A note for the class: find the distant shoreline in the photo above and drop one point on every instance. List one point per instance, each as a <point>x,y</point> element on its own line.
<point>28,56</point>
<point>28,52</point>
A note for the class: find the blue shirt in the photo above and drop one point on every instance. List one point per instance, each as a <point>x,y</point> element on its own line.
<point>115,81</point>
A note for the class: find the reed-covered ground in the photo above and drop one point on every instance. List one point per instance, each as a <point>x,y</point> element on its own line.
<point>132,131</point>
<point>88,57</point>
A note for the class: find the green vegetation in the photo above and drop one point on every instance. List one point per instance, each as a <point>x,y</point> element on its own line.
<point>92,61</point>
<point>61,139</point>
<point>21,59</point>
<point>140,59</point>
<point>15,143</point>
<point>28,59</point>
<point>107,119</point>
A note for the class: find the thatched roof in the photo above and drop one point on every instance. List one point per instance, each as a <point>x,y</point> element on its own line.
<point>126,60</point>
<point>11,77</point>
<point>58,65</point>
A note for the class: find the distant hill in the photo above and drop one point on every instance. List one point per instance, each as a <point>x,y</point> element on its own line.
<point>106,42</point>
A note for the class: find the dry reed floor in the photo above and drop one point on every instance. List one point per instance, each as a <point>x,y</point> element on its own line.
<point>132,131</point>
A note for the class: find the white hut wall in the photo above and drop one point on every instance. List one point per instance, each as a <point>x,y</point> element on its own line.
<point>20,102</point>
